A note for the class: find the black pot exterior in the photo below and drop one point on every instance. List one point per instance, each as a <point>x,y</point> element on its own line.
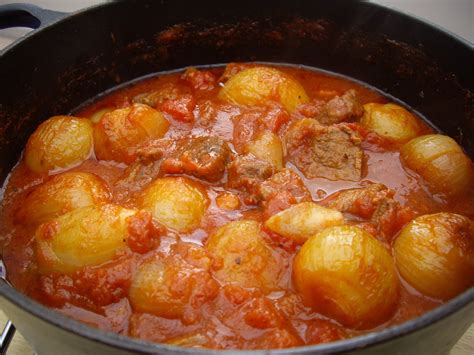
<point>59,67</point>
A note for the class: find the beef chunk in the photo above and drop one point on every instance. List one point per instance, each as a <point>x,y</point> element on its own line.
<point>155,149</point>
<point>144,169</point>
<point>374,203</point>
<point>339,109</point>
<point>246,173</point>
<point>361,202</point>
<point>202,157</point>
<point>388,218</point>
<point>281,191</point>
<point>136,177</point>
<point>331,152</point>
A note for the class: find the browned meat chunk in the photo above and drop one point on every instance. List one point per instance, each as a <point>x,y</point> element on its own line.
<point>374,203</point>
<point>246,173</point>
<point>331,152</point>
<point>144,169</point>
<point>339,109</point>
<point>389,217</point>
<point>155,150</point>
<point>136,177</point>
<point>281,191</point>
<point>202,157</point>
<point>361,202</point>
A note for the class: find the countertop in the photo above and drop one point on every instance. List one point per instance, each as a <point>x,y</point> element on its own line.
<point>455,15</point>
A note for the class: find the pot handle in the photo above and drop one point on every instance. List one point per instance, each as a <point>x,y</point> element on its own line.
<point>6,337</point>
<point>9,331</point>
<point>27,15</point>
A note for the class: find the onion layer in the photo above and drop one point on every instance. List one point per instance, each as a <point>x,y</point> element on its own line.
<point>59,142</point>
<point>256,86</point>
<point>175,286</point>
<point>86,236</point>
<point>267,146</point>
<point>303,220</point>
<point>435,254</point>
<point>61,194</point>
<point>120,131</point>
<point>441,162</point>
<point>348,275</point>
<point>247,260</point>
<point>97,115</point>
<point>176,202</point>
<point>390,121</point>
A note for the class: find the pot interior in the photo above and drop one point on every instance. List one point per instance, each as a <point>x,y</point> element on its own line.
<point>55,70</point>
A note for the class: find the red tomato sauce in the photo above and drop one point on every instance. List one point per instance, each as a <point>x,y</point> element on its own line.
<point>217,314</point>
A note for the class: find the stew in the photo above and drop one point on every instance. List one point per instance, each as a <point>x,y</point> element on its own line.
<point>249,206</point>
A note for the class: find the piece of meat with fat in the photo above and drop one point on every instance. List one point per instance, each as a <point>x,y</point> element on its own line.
<point>282,190</point>
<point>374,203</point>
<point>361,202</point>
<point>246,173</point>
<point>155,149</point>
<point>145,168</point>
<point>136,177</point>
<point>331,152</point>
<point>202,157</point>
<point>341,108</point>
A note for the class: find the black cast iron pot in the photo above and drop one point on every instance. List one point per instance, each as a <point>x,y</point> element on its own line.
<point>73,58</point>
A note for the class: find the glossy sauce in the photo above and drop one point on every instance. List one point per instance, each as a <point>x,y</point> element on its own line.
<point>221,322</point>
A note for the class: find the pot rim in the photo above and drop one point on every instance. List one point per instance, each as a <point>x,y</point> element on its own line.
<point>136,345</point>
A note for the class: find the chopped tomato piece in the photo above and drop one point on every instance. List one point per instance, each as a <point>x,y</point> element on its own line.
<point>180,108</point>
